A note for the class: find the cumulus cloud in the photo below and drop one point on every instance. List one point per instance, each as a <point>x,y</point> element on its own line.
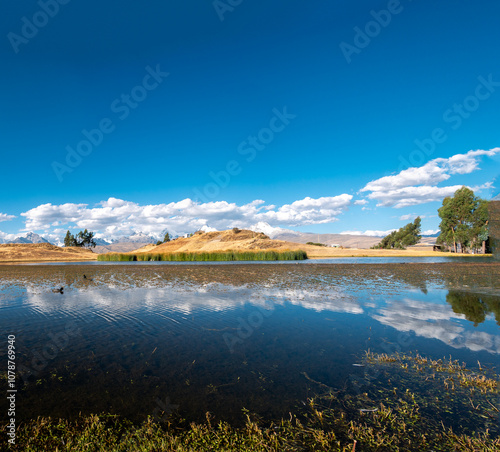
<point>6,237</point>
<point>419,185</point>
<point>120,217</point>
<point>5,217</point>
<point>360,202</point>
<point>411,196</point>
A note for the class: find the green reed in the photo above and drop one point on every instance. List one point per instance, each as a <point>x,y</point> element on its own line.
<point>288,255</point>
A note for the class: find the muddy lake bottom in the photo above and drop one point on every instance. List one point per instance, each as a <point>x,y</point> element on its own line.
<point>178,341</point>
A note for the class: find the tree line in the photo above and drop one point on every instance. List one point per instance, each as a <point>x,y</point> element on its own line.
<point>82,239</point>
<point>463,228</point>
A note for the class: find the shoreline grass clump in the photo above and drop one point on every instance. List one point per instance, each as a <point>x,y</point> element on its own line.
<point>212,256</point>
<point>387,429</point>
<point>385,411</point>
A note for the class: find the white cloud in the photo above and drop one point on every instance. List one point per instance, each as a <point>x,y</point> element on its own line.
<point>208,229</point>
<point>5,237</point>
<point>269,230</point>
<point>419,185</point>
<point>411,196</point>
<point>485,186</point>
<point>430,231</point>
<point>360,202</point>
<point>5,217</point>
<point>115,217</point>
<point>411,217</point>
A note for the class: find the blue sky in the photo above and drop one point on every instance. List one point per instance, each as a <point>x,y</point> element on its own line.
<point>272,111</point>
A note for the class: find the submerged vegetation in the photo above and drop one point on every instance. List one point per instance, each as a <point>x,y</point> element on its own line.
<point>454,372</point>
<point>207,256</point>
<point>399,402</point>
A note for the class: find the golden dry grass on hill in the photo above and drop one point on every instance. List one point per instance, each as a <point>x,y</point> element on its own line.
<point>43,252</point>
<point>232,239</point>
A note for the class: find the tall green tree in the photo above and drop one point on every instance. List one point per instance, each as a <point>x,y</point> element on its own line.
<point>480,229</point>
<point>464,221</point>
<point>86,238</point>
<point>166,239</point>
<point>70,240</point>
<point>400,239</point>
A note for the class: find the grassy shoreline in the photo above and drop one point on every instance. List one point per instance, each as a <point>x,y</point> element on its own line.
<point>386,416</point>
<point>382,432</point>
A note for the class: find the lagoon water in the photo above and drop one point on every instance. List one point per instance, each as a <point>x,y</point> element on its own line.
<point>182,340</point>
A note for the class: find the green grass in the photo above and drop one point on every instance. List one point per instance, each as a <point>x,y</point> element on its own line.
<point>387,417</point>
<point>389,429</point>
<point>206,256</point>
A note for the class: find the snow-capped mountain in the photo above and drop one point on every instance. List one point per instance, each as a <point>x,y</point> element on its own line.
<point>101,241</point>
<point>30,237</point>
<point>138,237</point>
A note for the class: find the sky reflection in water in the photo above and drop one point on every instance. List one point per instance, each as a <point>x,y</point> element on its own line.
<point>221,347</point>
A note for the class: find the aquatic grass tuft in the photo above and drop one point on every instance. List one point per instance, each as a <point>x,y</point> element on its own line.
<point>456,372</point>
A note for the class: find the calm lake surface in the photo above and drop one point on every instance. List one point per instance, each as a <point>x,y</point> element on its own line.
<point>180,340</point>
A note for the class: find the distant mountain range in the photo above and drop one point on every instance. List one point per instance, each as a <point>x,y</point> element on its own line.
<point>345,240</point>
<point>30,237</point>
<point>123,244</point>
<point>138,237</point>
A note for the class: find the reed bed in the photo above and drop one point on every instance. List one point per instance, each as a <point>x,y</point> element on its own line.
<point>220,256</point>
